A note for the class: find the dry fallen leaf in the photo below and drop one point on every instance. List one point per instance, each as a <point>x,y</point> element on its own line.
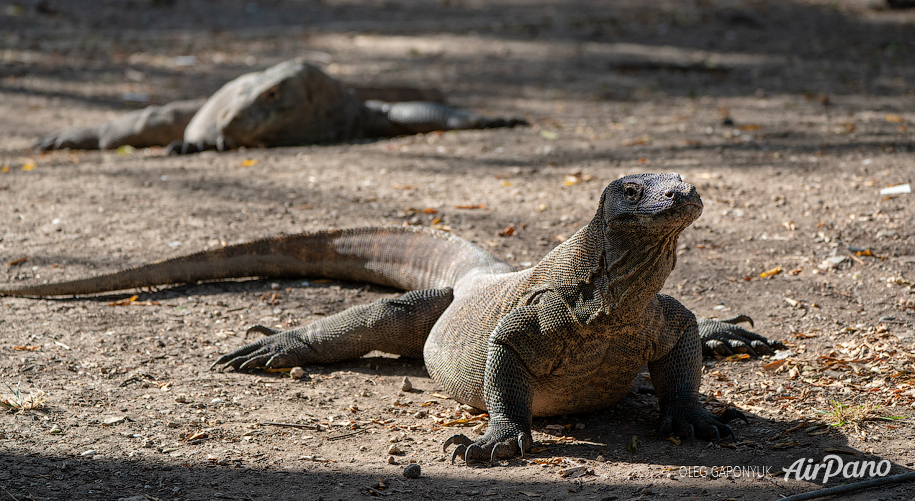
<point>771,366</point>
<point>465,421</point>
<point>771,272</point>
<point>633,444</point>
<point>577,177</point>
<point>573,472</point>
<point>123,302</point>
<point>470,206</point>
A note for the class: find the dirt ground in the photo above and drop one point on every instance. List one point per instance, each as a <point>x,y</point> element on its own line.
<point>788,116</point>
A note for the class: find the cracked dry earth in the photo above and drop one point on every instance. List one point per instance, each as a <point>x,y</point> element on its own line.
<point>789,117</point>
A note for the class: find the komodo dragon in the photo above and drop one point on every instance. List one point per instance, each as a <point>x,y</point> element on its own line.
<point>568,335</point>
<point>293,103</point>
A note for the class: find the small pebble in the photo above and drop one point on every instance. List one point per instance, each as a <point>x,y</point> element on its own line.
<point>412,471</point>
<point>392,460</point>
<point>394,450</point>
<point>600,459</point>
<point>419,414</point>
<point>297,373</point>
<point>406,385</point>
<point>113,420</point>
<point>90,452</point>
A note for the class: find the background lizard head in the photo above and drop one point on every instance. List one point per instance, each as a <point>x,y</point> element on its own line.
<point>289,104</point>
<point>650,204</point>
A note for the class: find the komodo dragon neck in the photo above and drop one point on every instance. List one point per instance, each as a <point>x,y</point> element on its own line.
<point>623,269</point>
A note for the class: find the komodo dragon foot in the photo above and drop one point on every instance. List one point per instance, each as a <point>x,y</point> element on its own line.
<point>689,420</point>
<point>279,349</point>
<point>499,442</point>
<point>725,338</point>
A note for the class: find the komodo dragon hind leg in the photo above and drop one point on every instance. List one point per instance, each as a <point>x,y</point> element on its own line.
<point>398,326</point>
<point>676,378</point>
<point>725,338</point>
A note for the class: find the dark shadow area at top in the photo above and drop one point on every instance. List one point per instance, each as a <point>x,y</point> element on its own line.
<point>695,49</point>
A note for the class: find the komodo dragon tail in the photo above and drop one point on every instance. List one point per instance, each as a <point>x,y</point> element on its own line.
<point>403,257</point>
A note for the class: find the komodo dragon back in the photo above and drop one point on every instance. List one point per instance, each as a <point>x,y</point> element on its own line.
<point>291,103</point>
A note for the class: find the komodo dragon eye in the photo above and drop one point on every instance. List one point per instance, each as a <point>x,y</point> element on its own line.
<point>271,95</point>
<point>633,191</point>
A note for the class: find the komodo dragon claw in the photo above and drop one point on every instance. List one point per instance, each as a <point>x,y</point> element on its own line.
<point>725,338</point>
<point>488,448</point>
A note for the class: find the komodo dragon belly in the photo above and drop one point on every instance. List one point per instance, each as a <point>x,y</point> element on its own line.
<point>591,367</point>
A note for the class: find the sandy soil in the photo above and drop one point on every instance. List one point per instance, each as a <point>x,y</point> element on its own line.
<point>788,116</point>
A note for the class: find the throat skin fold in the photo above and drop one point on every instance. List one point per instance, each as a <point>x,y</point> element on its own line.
<point>626,271</point>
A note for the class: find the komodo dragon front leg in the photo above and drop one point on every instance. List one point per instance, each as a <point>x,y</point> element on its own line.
<point>398,326</point>
<point>150,126</point>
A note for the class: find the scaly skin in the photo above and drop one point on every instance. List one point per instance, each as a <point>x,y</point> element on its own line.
<point>568,335</point>
<point>290,104</point>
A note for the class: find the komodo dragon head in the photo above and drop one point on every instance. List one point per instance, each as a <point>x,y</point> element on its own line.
<point>649,204</point>
<point>289,104</point>
<point>632,238</point>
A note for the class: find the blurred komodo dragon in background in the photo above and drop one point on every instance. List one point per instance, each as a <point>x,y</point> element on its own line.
<point>293,103</point>
<point>566,336</point>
